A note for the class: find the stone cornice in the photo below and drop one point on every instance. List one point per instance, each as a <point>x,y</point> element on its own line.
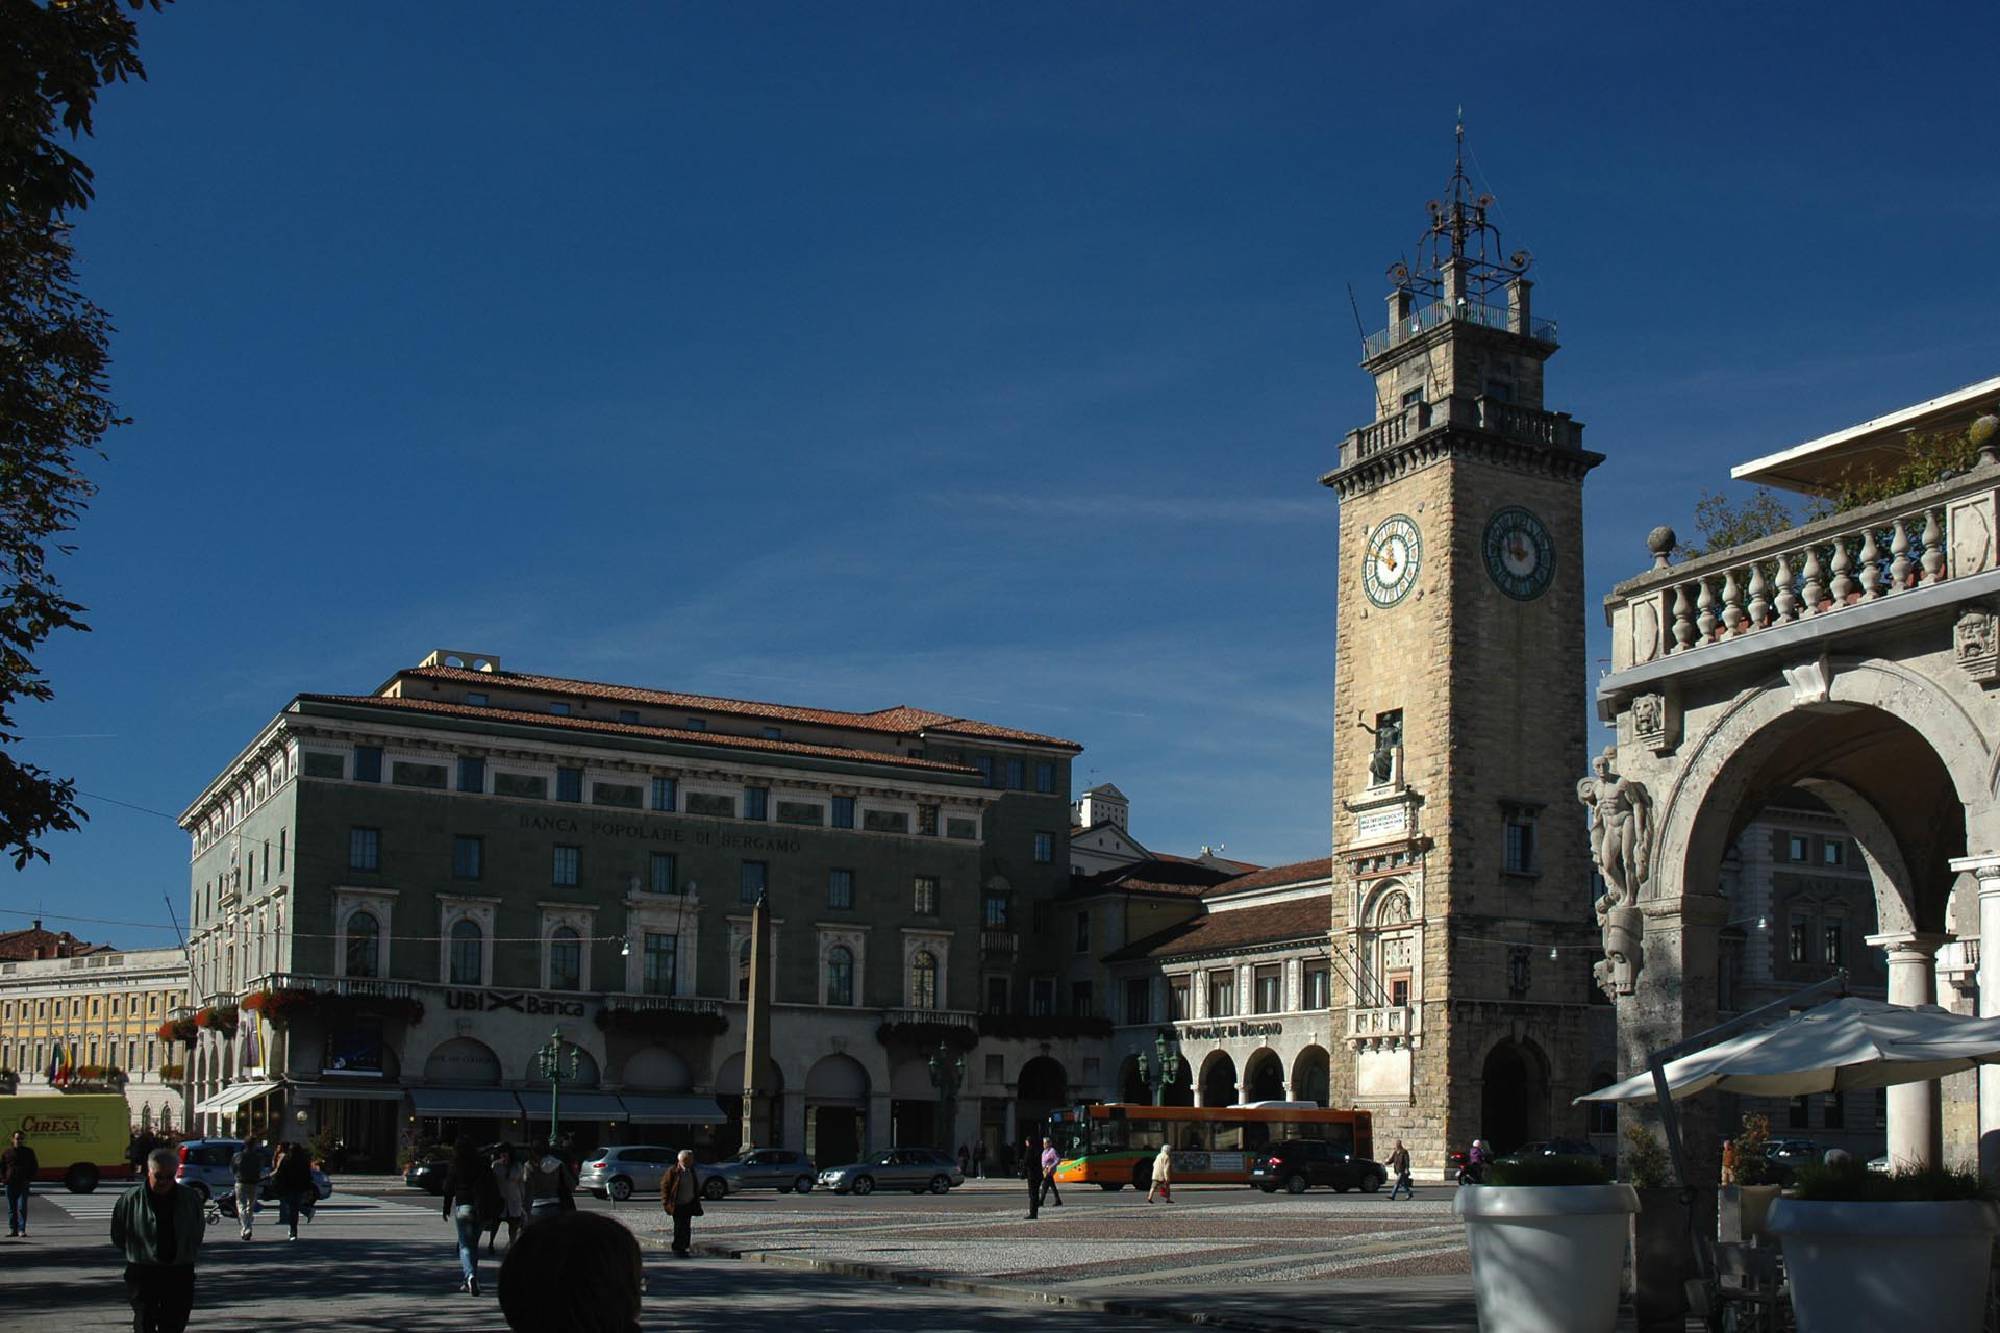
<point>1445,442</point>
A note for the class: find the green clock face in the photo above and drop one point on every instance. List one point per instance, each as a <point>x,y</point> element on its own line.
<point>1390,561</point>
<point>1520,554</point>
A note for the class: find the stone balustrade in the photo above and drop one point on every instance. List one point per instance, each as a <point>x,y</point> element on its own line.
<point>1382,1025</point>
<point>371,987</point>
<point>957,1017</point>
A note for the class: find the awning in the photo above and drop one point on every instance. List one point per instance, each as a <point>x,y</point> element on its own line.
<point>234,1096</point>
<point>465,1101</point>
<point>356,1092</point>
<point>574,1105</point>
<point>661,1110</point>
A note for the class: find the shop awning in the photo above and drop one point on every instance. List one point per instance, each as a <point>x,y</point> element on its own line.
<point>234,1096</point>
<point>661,1110</point>
<point>465,1101</point>
<point>354,1092</point>
<point>575,1105</point>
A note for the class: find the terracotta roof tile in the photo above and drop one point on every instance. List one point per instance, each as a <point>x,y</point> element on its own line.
<point>604,726</point>
<point>1244,927</point>
<point>34,942</point>
<point>901,720</point>
<point>1170,876</point>
<point>1298,872</point>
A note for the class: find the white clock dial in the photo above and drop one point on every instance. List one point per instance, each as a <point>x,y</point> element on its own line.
<point>1390,562</point>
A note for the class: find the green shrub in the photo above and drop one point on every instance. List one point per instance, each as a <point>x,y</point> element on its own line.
<point>1547,1171</point>
<point>1853,1182</point>
<point>1647,1164</point>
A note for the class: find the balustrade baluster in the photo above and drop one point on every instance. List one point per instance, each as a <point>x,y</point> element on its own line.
<point>1933,547</point>
<point>1684,633</point>
<point>1843,573</point>
<point>1788,601</point>
<point>1760,598</point>
<point>1704,621</point>
<point>1871,564</point>
<point>1815,577</point>
<point>1732,603</point>
<point>1900,566</point>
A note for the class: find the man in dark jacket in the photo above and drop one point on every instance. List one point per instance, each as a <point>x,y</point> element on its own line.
<point>18,1166</point>
<point>1031,1171</point>
<point>680,1195</point>
<point>158,1224</point>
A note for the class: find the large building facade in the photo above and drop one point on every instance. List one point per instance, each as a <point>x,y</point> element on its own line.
<point>1460,868</point>
<point>400,899</point>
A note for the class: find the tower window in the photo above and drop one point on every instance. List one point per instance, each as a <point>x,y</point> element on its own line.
<point>1519,854</point>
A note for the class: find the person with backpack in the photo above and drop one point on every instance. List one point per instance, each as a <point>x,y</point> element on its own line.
<point>246,1169</point>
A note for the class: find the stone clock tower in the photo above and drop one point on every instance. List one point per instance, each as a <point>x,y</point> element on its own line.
<point>1462,932</point>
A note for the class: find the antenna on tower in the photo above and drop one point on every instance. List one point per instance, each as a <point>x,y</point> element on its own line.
<point>1360,330</point>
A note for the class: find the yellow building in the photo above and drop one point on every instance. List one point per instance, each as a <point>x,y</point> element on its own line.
<point>105,1004</point>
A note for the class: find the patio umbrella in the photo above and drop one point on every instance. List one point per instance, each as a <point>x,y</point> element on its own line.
<point>1842,1044</point>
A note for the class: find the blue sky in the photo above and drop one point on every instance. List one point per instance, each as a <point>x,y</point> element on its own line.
<point>981,357</point>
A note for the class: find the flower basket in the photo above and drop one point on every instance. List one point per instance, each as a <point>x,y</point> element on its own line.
<point>172,1073</point>
<point>220,1018</point>
<point>1546,1255</point>
<point>283,1005</point>
<point>928,1036</point>
<point>182,1030</point>
<point>661,1022</point>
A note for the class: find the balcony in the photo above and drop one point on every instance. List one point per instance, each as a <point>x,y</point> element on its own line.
<point>1510,421</point>
<point>996,944</point>
<point>673,1004</point>
<point>1439,313</point>
<point>1383,1026</point>
<point>953,1017</point>
<point>1925,551</point>
<point>374,988</point>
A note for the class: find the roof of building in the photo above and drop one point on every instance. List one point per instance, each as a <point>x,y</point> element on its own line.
<point>1105,789</point>
<point>1297,872</point>
<point>605,726</point>
<point>1821,465</point>
<point>1164,876</point>
<point>901,720</point>
<point>1245,927</point>
<point>34,942</point>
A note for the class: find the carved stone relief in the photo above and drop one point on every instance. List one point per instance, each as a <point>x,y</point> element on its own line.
<point>1975,642</point>
<point>1656,722</point>
<point>1621,844</point>
<point>1971,527</point>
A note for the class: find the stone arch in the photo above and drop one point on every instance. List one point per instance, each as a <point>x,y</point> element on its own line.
<point>729,1076</point>
<point>1389,905</point>
<point>1218,1079</point>
<point>1312,1076</point>
<point>1264,1076</point>
<point>1132,1088</point>
<point>1513,1093</point>
<point>465,1061</point>
<point>656,1069</point>
<point>837,1079</point>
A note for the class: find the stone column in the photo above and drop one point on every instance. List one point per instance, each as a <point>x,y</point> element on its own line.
<point>879,1122</point>
<point>1676,997</point>
<point>793,1119</point>
<point>1916,1122</point>
<point>1986,867</point>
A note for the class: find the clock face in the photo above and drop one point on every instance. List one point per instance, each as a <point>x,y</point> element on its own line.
<point>1390,562</point>
<point>1520,554</point>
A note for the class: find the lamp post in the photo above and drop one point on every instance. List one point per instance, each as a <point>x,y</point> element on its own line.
<point>947,1076</point>
<point>549,1060</point>
<point>1165,1067</point>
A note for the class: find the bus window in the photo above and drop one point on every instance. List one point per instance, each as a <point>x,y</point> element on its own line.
<point>1340,1139</point>
<point>1192,1138</point>
<point>1226,1137</point>
<point>1146,1137</point>
<point>1256,1134</point>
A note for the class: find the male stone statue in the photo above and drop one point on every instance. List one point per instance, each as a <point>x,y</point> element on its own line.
<point>1621,831</point>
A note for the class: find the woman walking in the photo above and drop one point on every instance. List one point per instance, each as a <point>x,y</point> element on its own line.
<point>1163,1175</point>
<point>510,1176</point>
<point>291,1181</point>
<point>471,1196</point>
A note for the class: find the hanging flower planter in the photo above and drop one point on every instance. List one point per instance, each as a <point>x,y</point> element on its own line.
<point>220,1018</point>
<point>283,1005</point>
<point>182,1030</point>
<point>172,1073</point>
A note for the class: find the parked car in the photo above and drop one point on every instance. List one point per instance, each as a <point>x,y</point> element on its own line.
<point>427,1173</point>
<point>1880,1165</point>
<point>781,1169</point>
<point>621,1171</point>
<point>204,1168</point>
<point>1573,1149</point>
<point>1299,1164</point>
<point>1786,1156</point>
<point>914,1169</point>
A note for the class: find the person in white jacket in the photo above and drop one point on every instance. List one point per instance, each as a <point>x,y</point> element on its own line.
<point>1163,1175</point>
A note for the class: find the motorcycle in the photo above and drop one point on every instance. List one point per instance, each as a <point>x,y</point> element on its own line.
<point>1465,1171</point>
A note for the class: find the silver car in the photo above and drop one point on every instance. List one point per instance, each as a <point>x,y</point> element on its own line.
<point>619,1172</point>
<point>913,1169</point>
<point>783,1169</point>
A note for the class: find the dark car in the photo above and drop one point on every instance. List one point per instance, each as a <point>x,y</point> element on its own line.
<point>1576,1150</point>
<point>1786,1156</point>
<point>1299,1164</point>
<point>783,1169</point>
<point>428,1173</point>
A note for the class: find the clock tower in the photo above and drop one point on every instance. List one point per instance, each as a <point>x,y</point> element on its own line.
<point>1462,933</point>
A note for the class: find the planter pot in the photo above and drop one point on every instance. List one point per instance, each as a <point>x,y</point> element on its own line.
<point>1754,1208</point>
<point>1663,1258</point>
<point>1870,1266</point>
<point>1546,1258</point>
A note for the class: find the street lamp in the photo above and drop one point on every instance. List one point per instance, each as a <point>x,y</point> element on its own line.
<point>549,1060</point>
<point>947,1076</point>
<point>1164,1068</point>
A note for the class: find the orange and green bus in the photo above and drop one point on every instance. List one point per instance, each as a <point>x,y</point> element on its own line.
<point>1113,1144</point>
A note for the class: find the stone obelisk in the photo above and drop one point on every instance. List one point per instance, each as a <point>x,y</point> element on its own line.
<point>757,1041</point>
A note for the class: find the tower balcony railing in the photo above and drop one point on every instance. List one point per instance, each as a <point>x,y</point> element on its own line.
<point>1847,571</point>
<point>1448,312</point>
<point>1529,425</point>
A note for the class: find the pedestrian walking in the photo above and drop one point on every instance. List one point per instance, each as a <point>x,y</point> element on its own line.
<point>979,1158</point>
<point>510,1176</point>
<point>1163,1175</point>
<point>1399,1162</point>
<point>1031,1171</point>
<point>471,1199</point>
<point>574,1273</point>
<point>1050,1159</point>
<point>158,1224</point>
<point>291,1181</point>
<point>246,1169</point>
<point>680,1195</point>
<point>18,1165</point>
<point>548,1186</point>
<point>964,1160</point>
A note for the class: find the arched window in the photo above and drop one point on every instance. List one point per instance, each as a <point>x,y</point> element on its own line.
<point>923,980</point>
<point>840,975</point>
<point>364,945</point>
<point>565,959</point>
<point>467,950</point>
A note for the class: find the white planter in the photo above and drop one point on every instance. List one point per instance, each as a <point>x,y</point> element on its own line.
<point>1546,1258</point>
<point>1871,1266</point>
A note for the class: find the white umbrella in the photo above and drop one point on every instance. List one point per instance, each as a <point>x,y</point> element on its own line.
<point>1845,1043</point>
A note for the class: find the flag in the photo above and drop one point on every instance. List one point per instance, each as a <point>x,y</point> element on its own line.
<point>55,1064</point>
<point>59,1069</point>
<point>250,1043</point>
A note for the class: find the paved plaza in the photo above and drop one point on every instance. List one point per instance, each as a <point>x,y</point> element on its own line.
<point>381,1256</point>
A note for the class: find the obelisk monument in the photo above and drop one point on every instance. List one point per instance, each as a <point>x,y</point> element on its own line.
<point>757,1042</point>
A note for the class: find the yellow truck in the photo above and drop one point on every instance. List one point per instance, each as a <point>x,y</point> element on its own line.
<point>79,1138</point>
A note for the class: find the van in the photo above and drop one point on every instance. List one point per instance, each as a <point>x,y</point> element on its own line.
<point>79,1139</point>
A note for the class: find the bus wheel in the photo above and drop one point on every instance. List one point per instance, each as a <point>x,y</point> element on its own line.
<point>1110,1186</point>
<point>81,1179</point>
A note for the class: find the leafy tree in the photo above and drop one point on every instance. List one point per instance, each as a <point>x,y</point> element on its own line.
<point>1722,523</point>
<point>55,57</point>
